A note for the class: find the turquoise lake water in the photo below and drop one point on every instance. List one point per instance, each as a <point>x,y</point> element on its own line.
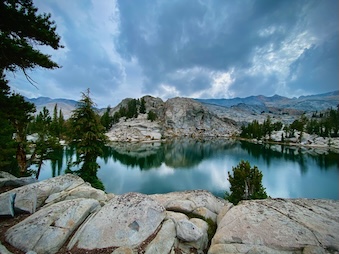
<point>185,164</point>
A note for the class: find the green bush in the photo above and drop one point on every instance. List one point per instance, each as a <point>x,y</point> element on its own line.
<point>245,183</point>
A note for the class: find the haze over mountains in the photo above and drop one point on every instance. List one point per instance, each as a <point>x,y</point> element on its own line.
<point>238,109</point>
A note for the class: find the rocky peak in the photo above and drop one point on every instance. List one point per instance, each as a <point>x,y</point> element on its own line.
<point>187,117</point>
<point>175,117</point>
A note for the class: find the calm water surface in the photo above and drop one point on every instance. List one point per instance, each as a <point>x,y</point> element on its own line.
<point>288,172</point>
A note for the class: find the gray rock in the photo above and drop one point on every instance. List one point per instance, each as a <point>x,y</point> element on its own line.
<point>7,179</point>
<point>83,191</point>
<point>184,206</point>
<point>48,229</point>
<point>6,175</point>
<point>277,226</point>
<point>125,221</point>
<point>187,117</point>
<point>200,202</point>
<point>223,212</point>
<point>176,117</point>
<point>175,216</point>
<point>7,206</point>
<point>164,240</point>
<point>187,231</point>
<point>3,249</point>
<point>32,196</point>
<point>123,250</point>
<point>207,214</point>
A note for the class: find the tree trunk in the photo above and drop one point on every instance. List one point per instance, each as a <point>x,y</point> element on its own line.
<point>21,158</point>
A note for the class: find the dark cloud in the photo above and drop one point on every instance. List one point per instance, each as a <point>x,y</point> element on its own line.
<point>167,37</point>
<point>316,70</point>
<point>192,48</point>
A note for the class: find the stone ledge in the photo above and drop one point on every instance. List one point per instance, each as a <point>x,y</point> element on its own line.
<point>136,222</point>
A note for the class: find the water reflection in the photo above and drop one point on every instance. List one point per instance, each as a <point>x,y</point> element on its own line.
<point>185,164</point>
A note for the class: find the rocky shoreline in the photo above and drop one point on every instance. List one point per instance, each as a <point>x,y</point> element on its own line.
<point>68,215</point>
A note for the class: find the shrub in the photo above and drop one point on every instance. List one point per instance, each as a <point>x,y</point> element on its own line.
<point>245,183</point>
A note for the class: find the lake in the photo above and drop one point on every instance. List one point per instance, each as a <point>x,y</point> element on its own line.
<point>186,164</point>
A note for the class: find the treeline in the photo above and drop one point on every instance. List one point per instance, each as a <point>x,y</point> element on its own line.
<point>257,130</point>
<point>28,140</point>
<point>324,124</point>
<point>133,109</point>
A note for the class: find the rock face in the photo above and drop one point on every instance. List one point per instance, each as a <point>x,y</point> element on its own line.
<point>279,226</point>
<point>48,229</point>
<point>69,210</point>
<point>125,221</point>
<point>176,117</point>
<point>187,117</point>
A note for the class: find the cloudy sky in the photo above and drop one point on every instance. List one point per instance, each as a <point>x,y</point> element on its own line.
<point>188,48</point>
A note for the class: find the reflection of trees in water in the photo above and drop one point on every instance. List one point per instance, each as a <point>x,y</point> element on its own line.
<point>290,153</point>
<point>57,159</point>
<point>186,153</point>
<point>180,153</point>
<point>146,162</point>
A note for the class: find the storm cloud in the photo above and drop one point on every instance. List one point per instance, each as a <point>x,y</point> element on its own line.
<point>200,49</point>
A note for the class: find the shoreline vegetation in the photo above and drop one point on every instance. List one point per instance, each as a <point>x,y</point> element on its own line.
<point>334,146</point>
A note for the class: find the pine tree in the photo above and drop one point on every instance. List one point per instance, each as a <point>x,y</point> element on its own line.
<point>20,116</point>
<point>245,183</point>
<point>89,138</point>
<point>46,142</point>
<point>21,28</point>
<point>142,109</point>
<point>106,119</point>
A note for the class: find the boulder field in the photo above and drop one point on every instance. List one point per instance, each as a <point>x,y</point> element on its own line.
<point>68,214</point>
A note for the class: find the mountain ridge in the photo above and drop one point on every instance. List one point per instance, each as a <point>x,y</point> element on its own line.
<point>241,110</point>
<point>282,101</point>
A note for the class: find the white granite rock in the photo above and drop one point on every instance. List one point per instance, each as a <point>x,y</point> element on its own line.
<point>164,240</point>
<point>278,226</point>
<point>125,221</point>
<point>32,196</point>
<point>48,229</point>
<point>187,231</point>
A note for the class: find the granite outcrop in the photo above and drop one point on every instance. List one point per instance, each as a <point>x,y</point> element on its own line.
<point>70,215</point>
<point>177,117</point>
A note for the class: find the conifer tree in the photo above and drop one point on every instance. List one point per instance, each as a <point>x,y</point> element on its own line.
<point>46,142</point>
<point>106,119</point>
<point>142,109</point>
<point>21,29</point>
<point>89,138</point>
<point>245,183</point>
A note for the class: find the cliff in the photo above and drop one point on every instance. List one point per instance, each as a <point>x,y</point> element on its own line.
<point>69,215</point>
<point>176,117</point>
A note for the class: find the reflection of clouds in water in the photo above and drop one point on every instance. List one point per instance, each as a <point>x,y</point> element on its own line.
<point>207,166</point>
<point>282,180</point>
<point>117,178</point>
<point>216,175</point>
<point>163,170</point>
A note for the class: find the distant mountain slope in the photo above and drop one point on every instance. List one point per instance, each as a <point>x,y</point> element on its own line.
<point>245,110</point>
<point>304,103</point>
<point>66,106</point>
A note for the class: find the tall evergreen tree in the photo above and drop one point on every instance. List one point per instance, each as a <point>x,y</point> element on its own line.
<point>106,119</point>
<point>46,142</point>
<point>89,138</point>
<point>21,29</point>
<point>20,116</point>
<point>142,109</point>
